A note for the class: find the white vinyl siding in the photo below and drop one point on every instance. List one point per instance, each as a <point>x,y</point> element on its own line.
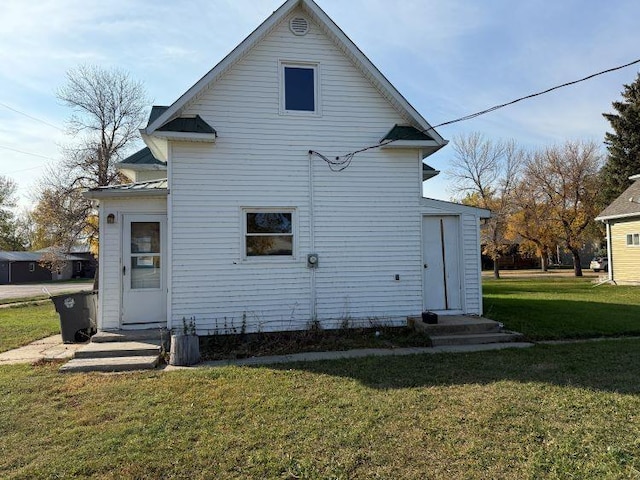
<point>110,271</point>
<point>366,230</point>
<point>364,223</point>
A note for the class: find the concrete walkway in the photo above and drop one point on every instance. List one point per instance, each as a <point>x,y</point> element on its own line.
<point>365,352</point>
<point>50,348</point>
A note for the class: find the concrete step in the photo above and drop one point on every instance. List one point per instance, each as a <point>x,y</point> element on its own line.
<point>119,364</point>
<point>455,324</point>
<point>119,349</point>
<point>474,339</point>
<point>130,336</point>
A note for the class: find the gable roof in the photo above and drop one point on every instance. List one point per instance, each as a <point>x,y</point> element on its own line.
<point>406,132</point>
<point>161,117</point>
<point>428,172</point>
<point>626,205</point>
<point>187,125</point>
<point>141,157</point>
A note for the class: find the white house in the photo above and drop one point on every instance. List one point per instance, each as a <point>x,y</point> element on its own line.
<point>245,219</point>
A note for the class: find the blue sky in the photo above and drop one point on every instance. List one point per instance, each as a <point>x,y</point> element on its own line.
<point>448,58</point>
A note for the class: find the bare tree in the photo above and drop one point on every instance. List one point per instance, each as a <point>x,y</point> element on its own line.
<point>484,175</point>
<point>108,109</point>
<point>566,180</point>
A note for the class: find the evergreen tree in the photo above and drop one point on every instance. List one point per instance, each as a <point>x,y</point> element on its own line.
<point>623,143</point>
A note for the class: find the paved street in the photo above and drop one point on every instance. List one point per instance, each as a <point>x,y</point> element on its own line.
<point>35,289</point>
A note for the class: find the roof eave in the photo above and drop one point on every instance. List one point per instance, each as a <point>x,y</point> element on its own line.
<point>459,207</point>
<point>187,136</point>
<point>141,167</point>
<point>430,174</point>
<point>606,218</point>
<point>428,147</point>
<point>101,194</point>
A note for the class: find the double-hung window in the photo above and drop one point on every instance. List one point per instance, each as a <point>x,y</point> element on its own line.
<point>299,88</point>
<point>268,233</point>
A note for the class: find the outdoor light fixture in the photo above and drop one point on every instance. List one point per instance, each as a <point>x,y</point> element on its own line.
<point>111,219</point>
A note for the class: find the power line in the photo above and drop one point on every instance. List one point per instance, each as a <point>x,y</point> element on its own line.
<point>342,162</point>
<point>31,116</point>
<point>26,153</point>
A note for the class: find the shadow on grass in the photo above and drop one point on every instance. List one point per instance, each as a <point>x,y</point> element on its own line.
<point>542,319</point>
<point>607,365</point>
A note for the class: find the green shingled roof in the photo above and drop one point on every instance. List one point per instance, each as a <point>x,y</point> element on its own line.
<point>187,125</point>
<point>143,157</point>
<point>428,172</point>
<point>156,111</point>
<point>400,132</point>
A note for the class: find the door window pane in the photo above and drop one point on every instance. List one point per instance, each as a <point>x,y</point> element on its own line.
<point>145,271</point>
<point>145,237</point>
<point>145,255</point>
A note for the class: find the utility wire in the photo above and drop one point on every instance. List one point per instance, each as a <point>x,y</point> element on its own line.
<point>30,116</point>
<point>26,153</point>
<point>342,162</point>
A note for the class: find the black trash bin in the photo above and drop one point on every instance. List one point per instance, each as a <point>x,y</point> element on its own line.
<point>78,312</point>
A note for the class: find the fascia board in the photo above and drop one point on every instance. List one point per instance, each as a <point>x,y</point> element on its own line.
<point>187,136</point>
<point>99,194</point>
<point>615,217</point>
<point>455,207</point>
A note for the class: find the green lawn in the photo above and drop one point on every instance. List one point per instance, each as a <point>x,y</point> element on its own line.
<point>551,308</point>
<point>24,324</point>
<point>563,411</point>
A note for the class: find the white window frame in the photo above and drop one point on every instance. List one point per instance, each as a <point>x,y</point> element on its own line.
<point>315,66</point>
<point>633,239</point>
<point>269,258</point>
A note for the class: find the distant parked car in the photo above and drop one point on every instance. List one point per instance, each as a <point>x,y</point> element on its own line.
<point>599,263</point>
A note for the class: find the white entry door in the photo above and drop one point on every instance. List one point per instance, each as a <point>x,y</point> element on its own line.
<point>441,263</point>
<point>144,284</point>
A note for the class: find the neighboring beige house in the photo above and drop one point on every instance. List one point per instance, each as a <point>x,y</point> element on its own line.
<point>622,219</point>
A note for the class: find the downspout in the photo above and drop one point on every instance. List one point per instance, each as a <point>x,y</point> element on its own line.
<point>169,238</point>
<point>313,306</point>
<point>10,263</point>
<point>609,252</point>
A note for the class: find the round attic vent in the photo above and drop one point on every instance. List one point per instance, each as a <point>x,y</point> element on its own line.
<point>299,25</point>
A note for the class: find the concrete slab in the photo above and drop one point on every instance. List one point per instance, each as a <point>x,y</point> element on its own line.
<point>117,364</point>
<point>119,349</point>
<point>366,352</point>
<point>474,339</point>
<point>49,348</point>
